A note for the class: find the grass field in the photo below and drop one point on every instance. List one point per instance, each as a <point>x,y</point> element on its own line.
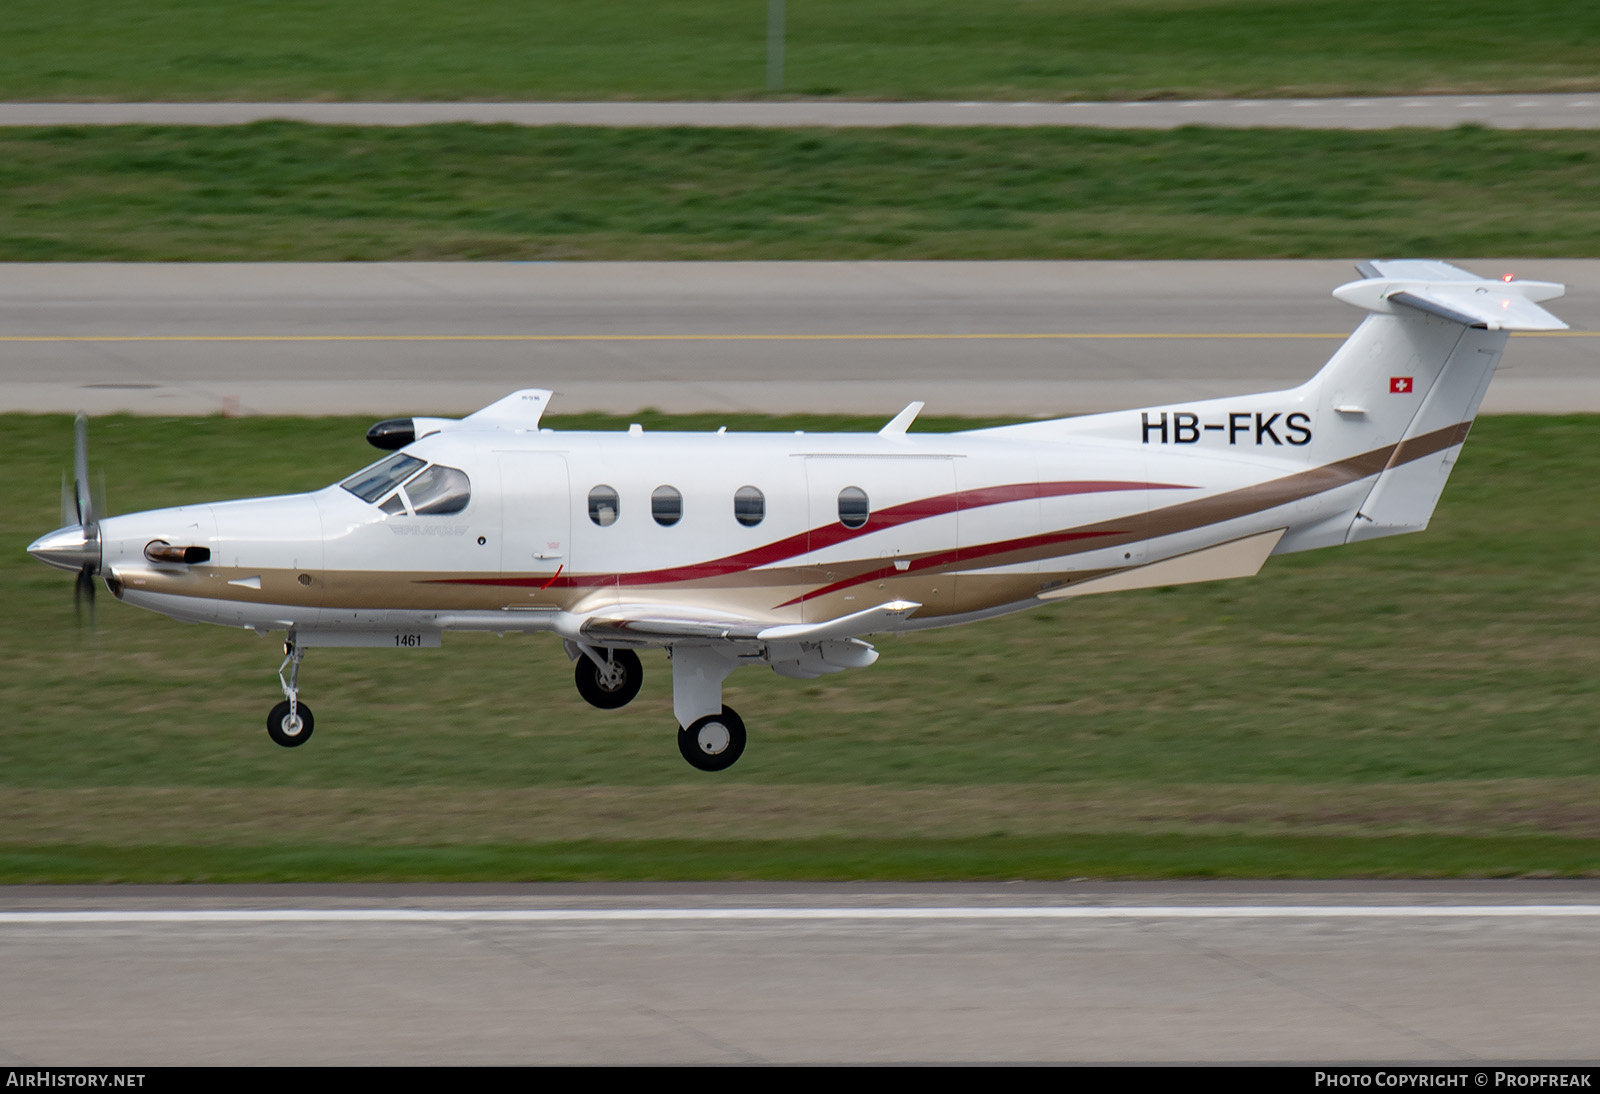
<point>280,191</point>
<point>897,49</point>
<point>1419,706</point>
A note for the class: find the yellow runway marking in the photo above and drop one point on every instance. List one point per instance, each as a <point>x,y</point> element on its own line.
<point>621,337</point>
<point>998,336</point>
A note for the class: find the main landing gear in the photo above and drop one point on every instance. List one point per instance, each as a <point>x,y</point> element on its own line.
<point>290,722</point>
<point>608,679</point>
<point>714,742</point>
<point>711,736</point>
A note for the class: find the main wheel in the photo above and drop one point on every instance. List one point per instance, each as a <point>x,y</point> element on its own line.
<point>714,742</point>
<point>286,731</point>
<point>608,691</point>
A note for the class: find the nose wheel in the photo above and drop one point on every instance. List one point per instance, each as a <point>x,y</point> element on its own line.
<point>714,742</point>
<point>290,722</point>
<point>290,725</point>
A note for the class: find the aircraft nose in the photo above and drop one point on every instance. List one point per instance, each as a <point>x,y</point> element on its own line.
<point>68,548</point>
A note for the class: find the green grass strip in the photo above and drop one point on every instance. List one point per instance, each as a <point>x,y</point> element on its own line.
<point>1417,706</point>
<point>556,49</point>
<point>281,191</point>
<point>1101,856</point>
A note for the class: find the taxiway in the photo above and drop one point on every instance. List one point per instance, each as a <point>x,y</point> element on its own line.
<point>1005,338</point>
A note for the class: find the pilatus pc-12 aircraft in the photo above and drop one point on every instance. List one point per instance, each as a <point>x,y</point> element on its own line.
<point>788,550</point>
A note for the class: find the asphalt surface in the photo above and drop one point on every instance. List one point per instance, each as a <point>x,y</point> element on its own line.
<point>1574,111</point>
<point>1020,338</point>
<point>1465,973</point>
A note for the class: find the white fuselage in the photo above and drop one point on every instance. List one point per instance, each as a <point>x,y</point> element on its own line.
<point>964,524</point>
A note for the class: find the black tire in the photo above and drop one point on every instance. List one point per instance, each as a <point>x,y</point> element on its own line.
<point>592,683</point>
<point>713,743</point>
<point>282,733</point>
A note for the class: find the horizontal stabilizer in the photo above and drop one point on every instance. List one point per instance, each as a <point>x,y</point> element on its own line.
<point>1448,292</point>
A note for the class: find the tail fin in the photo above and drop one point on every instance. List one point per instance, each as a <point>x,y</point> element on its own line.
<point>1380,425</point>
<point>1412,377</point>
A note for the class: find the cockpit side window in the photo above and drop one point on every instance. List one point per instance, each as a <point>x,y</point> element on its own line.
<point>439,490</point>
<point>371,483</point>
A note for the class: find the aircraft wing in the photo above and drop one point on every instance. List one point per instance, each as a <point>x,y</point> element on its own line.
<point>656,624</point>
<point>884,617</point>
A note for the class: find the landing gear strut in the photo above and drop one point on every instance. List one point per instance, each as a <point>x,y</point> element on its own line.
<point>290,722</point>
<point>711,736</point>
<point>608,679</point>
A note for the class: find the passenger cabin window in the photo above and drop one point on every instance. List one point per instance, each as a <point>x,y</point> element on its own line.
<point>749,506</point>
<point>666,505</point>
<point>603,508</point>
<point>371,483</point>
<point>438,491</point>
<point>853,507</point>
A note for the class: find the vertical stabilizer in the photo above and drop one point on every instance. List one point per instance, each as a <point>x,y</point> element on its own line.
<point>1411,379</point>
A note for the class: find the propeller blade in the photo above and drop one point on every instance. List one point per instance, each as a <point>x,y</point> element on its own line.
<point>83,594</point>
<point>80,471</point>
<point>69,504</point>
<point>97,498</point>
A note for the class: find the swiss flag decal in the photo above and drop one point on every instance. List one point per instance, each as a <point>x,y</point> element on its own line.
<point>1399,385</point>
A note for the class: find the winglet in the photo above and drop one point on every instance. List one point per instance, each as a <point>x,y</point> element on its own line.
<point>902,421</point>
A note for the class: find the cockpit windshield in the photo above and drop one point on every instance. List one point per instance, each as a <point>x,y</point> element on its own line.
<point>433,489</point>
<point>439,490</point>
<point>372,483</point>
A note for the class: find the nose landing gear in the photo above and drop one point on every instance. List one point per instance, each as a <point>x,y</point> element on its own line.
<point>290,722</point>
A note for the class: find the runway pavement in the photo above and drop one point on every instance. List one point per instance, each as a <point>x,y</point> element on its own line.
<point>1014,338</point>
<point>1571,111</point>
<point>1465,973</point>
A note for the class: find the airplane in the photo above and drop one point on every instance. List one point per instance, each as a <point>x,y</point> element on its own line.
<point>787,550</point>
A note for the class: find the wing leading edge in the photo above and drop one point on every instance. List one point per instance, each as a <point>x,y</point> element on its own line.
<point>660,624</point>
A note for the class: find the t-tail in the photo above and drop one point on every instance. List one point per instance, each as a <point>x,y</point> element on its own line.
<point>1370,439</point>
<point>1406,386</point>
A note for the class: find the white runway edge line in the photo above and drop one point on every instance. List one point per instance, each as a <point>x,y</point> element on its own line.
<point>660,915</point>
<point>1567,110</point>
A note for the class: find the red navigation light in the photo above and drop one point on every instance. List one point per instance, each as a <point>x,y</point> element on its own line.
<point>1505,277</point>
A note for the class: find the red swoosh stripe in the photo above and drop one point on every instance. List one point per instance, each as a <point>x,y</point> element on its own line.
<point>953,557</point>
<point>827,535</point>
